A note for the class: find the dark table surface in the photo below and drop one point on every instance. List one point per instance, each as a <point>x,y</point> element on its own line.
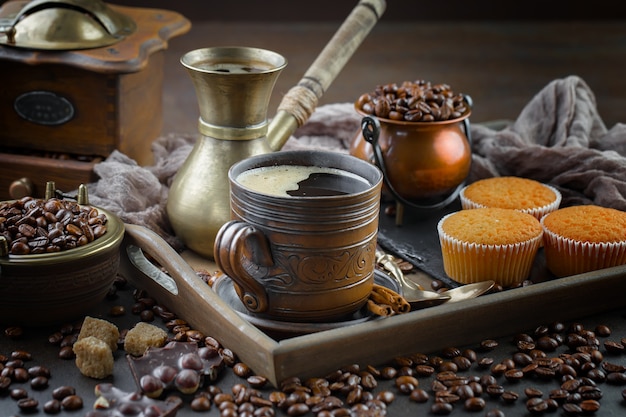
<point>65,372</point>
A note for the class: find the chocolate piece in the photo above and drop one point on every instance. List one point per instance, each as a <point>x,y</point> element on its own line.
<point>181,366</point>
<point>113,402</point>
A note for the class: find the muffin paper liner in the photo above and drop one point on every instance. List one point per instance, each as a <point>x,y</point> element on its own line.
<point>565,256</point>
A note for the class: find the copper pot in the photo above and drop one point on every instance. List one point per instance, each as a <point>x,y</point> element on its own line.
<point>424,163</point>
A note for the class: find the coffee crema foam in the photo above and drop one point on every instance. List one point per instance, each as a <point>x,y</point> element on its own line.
<point>301,181</point>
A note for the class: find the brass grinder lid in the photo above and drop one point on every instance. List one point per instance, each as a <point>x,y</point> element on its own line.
<point>62,24</point>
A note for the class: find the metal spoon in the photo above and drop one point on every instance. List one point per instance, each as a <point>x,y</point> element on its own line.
<point>420,298</point>
<point>467,291</point>
<point>412,292</point>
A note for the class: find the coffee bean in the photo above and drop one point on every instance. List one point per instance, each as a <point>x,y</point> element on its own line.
<point>55,338</point>
<point>441,408</point>
<point>117,311</point>
<point>242,370</point>
<point>388,372</point>
<point>201,403</point>
<point>514,374</point>
<point>424,370</point>
<point>72,403</point>
<point>475,404</point>
<point>419,395</point>
<point>38,370</point>
<point>533,392</point>
<point>298,409</point>
<point>462,363</point>
<point>20,375</point>
<point>485,362</point>
<point>21,355</point>
<point>146,316</point>
<point>589,406</point>
<point>52,407</point>
<point>5,383</point>
<point>572,409</point>
<point>488,345</point>
<point>14,332</point>
<point>229,357</point>
<point>66,352</point>
<point>28,404</point>
<point>18,393</point>
<point>39,383</point>
<point>257,381</point>
<point>63,391</point>
<point>509,396</point>
<point>614,347</point>
<point>494,390</point>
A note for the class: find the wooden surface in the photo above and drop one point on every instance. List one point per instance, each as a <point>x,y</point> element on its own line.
<point>501,64</point>
<point>398,10</point>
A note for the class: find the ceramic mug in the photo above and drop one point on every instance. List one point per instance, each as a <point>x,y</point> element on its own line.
<point>302,239</point>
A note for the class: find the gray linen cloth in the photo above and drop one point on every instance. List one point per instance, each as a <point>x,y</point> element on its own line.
<point>558,138</point>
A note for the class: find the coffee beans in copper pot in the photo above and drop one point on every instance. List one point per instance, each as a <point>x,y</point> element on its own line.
<point>32,225</point>
<point>413,101</point>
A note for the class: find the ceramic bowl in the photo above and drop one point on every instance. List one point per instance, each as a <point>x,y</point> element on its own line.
<point>53,288</point>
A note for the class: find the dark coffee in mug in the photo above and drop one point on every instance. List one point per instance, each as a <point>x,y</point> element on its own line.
<point>302,181</point>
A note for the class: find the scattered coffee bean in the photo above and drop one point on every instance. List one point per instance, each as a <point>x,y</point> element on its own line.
<point>39,383</point>
<point>117,311</point>
<point>13,332</point>
<point>475,404</point>
<point>72,403</point>
<point>18,393</point>
<point>63,391</point>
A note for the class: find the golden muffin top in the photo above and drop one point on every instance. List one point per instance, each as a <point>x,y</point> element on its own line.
<point>491,226</point>
<point>510,192</point>
<point>587,223</point>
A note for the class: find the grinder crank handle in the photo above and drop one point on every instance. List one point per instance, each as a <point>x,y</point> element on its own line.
<point>300,101</point>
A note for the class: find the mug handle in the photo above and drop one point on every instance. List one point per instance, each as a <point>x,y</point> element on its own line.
<point>370,129</point>
<point>243,253</point>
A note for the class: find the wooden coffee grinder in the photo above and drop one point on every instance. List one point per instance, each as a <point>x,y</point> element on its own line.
<point>80,78</point>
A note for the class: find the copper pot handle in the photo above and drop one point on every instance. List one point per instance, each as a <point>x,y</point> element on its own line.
<point>243,253</point>
<point>370,128</point>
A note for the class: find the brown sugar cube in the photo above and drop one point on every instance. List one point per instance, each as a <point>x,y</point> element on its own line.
<point>142,336</point>
<point>94,357</point>
<point>101,329</point>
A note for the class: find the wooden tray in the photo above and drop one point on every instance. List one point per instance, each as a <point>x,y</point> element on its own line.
<point>373,342</point>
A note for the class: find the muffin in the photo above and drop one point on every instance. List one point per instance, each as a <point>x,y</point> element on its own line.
<point>489,243</point>
<point>580,239</point>
<point>517,193</point>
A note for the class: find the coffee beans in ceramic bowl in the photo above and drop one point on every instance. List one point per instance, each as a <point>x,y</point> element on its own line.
<point>58,259</point>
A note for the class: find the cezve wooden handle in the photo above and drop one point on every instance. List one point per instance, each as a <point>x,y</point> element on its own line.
<point>300,102</point>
